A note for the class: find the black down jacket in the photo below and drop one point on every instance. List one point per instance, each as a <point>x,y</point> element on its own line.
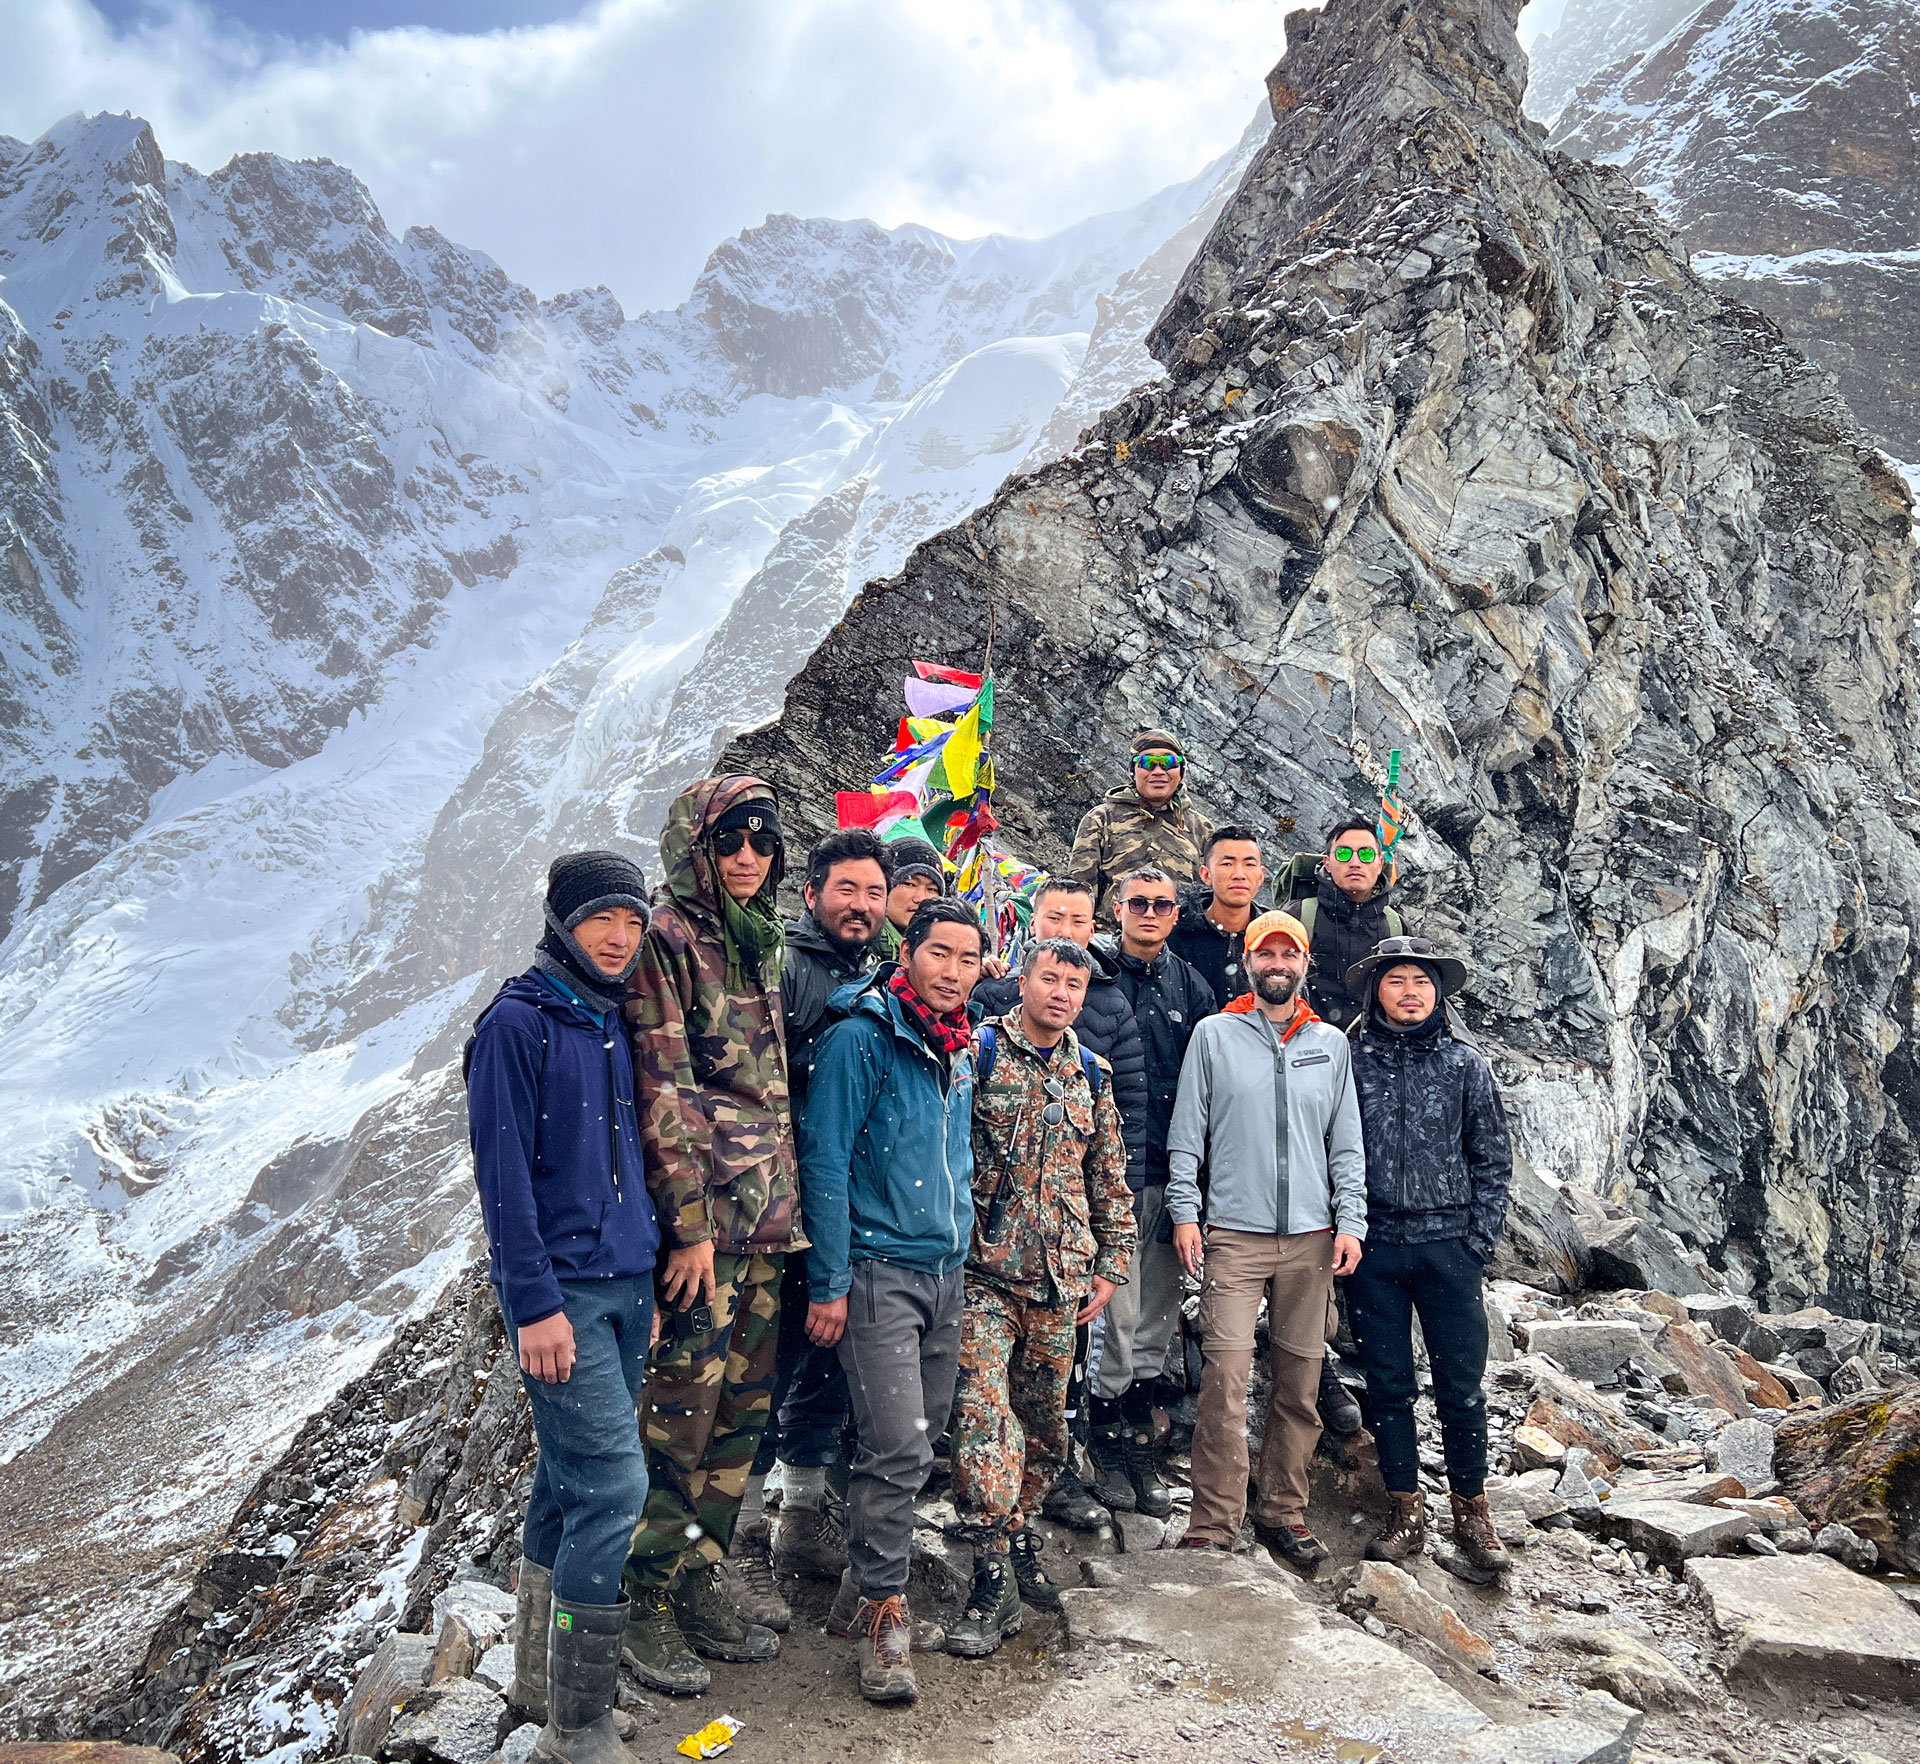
<point>1105,1025</point>
<point>1438,1157</point>
<point>1169,998</point>
<point>816,967</point>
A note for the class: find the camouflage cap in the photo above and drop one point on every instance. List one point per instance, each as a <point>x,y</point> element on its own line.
<point>1150,740</point>
<point>1271,925</point>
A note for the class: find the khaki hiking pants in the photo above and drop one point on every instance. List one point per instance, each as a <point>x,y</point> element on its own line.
<point>1295,1276</point>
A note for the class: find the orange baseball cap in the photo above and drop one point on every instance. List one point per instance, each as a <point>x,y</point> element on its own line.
<point>1277,925</point>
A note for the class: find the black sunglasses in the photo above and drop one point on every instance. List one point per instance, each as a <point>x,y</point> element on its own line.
<point>727,843</point>
<point>1159,909</point>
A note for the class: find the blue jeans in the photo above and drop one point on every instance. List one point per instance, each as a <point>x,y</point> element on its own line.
<point>1441,1281</point>
<point>590,1483</point>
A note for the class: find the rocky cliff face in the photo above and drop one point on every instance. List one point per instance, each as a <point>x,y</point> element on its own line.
<point>1455,455</point>
<point>1782,139</point>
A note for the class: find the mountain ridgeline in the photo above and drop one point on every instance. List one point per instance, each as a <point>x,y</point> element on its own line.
<point>1455,455</point>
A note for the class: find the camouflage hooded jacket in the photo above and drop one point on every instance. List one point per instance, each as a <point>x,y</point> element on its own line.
<point>710,1065</point>
<point>1068,1212</point>
<point>1122,833</point>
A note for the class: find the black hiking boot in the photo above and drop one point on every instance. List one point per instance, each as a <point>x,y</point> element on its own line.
<point>1339,1413</point>
<point>1035,1588</point>
<point>993,1611</point>
<point>1107,1451</point>
<point>1071,1505</point>
<point>1150,1494</point>
<point>1293,1544</point>
<point>657,1651</point>
<point>712,1622</point>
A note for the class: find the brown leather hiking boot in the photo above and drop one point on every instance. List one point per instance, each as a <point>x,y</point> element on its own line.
<point>1405,1533</point>
<point>1475,1536</point>
<point>885,1650</point>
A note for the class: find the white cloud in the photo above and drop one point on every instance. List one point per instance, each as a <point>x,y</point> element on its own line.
<point>622,146</point>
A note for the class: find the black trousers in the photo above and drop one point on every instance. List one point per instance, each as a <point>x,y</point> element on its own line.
<point>1441,1281</point>
<point>812,1412</point>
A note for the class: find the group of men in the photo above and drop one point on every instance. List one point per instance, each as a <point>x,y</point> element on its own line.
<point>905,1197</point>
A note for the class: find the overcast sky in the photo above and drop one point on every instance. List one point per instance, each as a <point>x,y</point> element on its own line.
<point>619,141</point>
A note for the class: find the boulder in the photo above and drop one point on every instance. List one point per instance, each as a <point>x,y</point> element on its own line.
<point>1847,1547</point>
<point>1542,1245</point>
<point>486,1610</point>
<point>1593,1352</point>
<point>1773,1515</point>
<point>1726,1314</point>
<point>1613,1661</point>
<point>1852,1378</point>
<point>1600,1730</point>
<point>396,1668</point>
<point>1806,1620</point>
<point>457,1721</point>
<point>1396,1597</point>
<point>1858,1465</point>
<point>1704,1371</point>
<point>1763,1389</point>
<point>495,1667</point>
<point>1536,1449</point>
<point>1801,1386</point>
<point>1639,1254</point>
<point>1673,1532</point>
<point>82,1752</point>
<point>1819,1342</point>
<point>1743,1449</point>
<point>1577,1415</point>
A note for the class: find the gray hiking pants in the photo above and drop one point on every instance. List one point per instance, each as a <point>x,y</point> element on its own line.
<point>901,1352</point>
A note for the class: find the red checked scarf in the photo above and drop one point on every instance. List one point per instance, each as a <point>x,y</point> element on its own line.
<point>949,1033</point>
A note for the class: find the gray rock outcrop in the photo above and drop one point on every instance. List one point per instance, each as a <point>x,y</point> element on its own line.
<point>1455,456</point>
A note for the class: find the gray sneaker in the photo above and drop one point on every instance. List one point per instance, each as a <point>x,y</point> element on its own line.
<point>928,1636</point>
<point>811,1541</point>
<point>656,1651</point>
<point>712,1623</point>
<point>756,1595</point>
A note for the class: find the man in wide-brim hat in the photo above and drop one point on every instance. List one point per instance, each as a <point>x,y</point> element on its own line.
<point>1438,1166</point>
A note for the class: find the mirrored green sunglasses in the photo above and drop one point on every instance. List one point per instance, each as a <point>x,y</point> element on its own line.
<point>1159,762</point>
<point>1346,854</point>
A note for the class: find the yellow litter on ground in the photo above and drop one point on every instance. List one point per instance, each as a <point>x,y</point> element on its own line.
<point>713,1739</point>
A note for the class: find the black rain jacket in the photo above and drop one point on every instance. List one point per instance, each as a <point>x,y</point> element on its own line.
<point>1168,997</point>
<point>1439,1160</point>
<point>1344,932</point>
<point>816,967</point>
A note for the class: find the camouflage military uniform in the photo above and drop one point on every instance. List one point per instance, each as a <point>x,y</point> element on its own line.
<point>1121,833</point>
<point>1069,1216</point>
<point>710,1066</point>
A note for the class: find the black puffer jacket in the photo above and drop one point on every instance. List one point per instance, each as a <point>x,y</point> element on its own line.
<point>815,966</point>
<point>1438,1157</point>
<point>1168,998</point>
<point>1105,1025</point>
<point>1344,932</point>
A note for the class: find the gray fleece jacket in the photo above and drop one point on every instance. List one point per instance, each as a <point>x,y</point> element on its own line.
<point>1239,1081</point>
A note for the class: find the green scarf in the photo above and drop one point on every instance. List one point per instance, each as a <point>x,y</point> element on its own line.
<point>756,941</point>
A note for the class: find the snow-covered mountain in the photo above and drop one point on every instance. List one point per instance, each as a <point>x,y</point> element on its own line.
<point>342,579</point>
<point>1593,35</point>
<point>1782,138</point>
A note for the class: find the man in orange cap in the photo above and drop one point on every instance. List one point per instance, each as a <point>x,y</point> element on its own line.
<point>1267,1102</point>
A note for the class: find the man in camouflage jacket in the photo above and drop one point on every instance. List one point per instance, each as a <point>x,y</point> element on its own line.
<point>1147,821</point>
<point>711,1070</point>
<point>1053,1235</point>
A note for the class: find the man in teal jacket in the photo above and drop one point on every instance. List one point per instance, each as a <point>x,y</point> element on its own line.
<point>886,1186</point>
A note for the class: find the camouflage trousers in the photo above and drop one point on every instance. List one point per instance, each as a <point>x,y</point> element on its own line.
<point>707,1400</point>
<point>1009,1409</point>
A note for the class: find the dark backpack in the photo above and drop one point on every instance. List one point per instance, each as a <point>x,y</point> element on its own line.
<point>990,1048</point>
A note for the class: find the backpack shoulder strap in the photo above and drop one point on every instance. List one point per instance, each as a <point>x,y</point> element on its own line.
<point>1395,926</point>
<point>1308,911</point>
<point>1090,1064</point>
<point>989,1047</point>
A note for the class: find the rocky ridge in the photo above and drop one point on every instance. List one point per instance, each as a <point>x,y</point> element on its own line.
<point>1456,456</point>
<point>1782,140</point>
<point>1593,35</point>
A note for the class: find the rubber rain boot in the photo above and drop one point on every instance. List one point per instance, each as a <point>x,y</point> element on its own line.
<point>583,1648</point>
<point>532,1620</point>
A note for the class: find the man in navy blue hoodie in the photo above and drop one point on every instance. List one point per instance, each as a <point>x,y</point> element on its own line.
<point>572,1235</point>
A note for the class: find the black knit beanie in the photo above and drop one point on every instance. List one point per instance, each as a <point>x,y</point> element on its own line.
<point>760,814</point>
<point>917,857</point>
<point>580,884</point>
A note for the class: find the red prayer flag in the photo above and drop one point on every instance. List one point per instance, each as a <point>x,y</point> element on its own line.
<point>952,676</point>
<point>872,808</point>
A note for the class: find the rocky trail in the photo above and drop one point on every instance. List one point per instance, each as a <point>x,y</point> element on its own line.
<point>1714,1513</point>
